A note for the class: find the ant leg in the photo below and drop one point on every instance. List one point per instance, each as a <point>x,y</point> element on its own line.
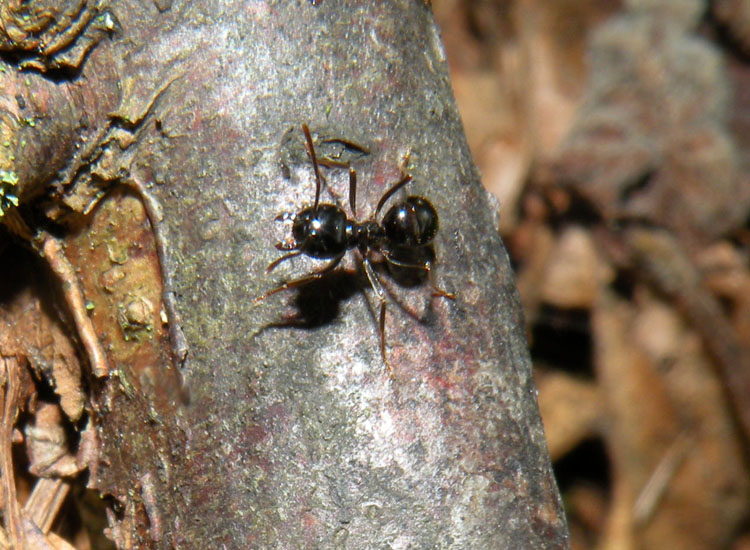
<point>320,179</point>
<point>353,191</point>
<point>315,275</point>
<point>310,148</point>
<point>378,288</point>
<point>391,260</point>
<point>427,266</point>
<point>405,161</point>
<point>277,261</point>
<point>329,163</point>
<point>438,292</point>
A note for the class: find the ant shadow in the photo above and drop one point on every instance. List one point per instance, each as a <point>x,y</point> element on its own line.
<point>408,276</point>
<point>409,290</point>
<point>318,303</point>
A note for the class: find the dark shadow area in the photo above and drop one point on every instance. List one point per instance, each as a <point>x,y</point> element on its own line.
<point>580,210</point>
<point>561,338</point>
<point>588,463</point>
<point>58,75</point>
<point>635,187</point>
<point>16,264</point>
<point>84,516</point>
<point>318,303</point>
<point>583,475</point>
<point>624,284</point>
<point>410,277</point>
<point>721,33</point>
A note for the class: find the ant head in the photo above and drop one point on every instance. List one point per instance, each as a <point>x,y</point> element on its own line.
<point>411,223</point>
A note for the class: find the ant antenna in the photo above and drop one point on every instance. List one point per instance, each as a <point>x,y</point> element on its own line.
<point>387,195</point>
<point>285,257</point>
<point>310,148</point>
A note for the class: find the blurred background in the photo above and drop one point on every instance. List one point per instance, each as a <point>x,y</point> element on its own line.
<point>616,136</point>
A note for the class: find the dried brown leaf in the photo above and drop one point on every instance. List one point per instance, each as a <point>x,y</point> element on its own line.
<point>697,492</point>
<point>47,444</point>
<point>571,411</point>
<point>575,271</point>
<point>651,140</point>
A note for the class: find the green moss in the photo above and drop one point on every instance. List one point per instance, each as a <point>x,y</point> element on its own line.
<point>8,192</point>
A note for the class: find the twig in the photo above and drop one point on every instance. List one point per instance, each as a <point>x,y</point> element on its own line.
<point>52,251</point>
<point>45,502</point>
<point>654,489</point>
<point>12,514</point>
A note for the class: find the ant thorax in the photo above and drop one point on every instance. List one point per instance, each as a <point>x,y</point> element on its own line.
<point>367,236</point>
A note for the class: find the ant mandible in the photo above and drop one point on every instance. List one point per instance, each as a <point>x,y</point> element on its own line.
<point>324,232</point>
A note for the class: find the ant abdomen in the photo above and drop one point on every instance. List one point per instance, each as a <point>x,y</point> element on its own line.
<point>411,223</point>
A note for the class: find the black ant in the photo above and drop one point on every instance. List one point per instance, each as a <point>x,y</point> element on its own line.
<point>324,232</point>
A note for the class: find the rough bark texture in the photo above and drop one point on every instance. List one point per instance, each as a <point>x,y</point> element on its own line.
<point>293,435</point>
